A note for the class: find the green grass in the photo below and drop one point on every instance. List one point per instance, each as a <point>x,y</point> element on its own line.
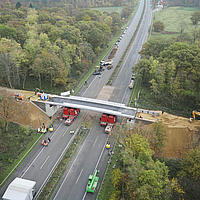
<point>172,17</point>
<point>109,9</point>
<point>15,149</point>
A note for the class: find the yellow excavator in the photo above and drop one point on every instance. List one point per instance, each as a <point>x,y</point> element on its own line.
<point>37,90</point>
<point>194,113</point>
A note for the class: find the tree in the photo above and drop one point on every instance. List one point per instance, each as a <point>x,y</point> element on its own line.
<point>18,5</point>
<point>195,17</point>
<point>158,26</point>
<point>139,176</point>
<point>190,164</point>
<point>9,107</point>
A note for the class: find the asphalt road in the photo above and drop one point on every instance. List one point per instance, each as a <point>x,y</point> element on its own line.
<point>91,154</point>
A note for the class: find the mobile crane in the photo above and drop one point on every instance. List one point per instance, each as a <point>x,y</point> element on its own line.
<point>93,182</point>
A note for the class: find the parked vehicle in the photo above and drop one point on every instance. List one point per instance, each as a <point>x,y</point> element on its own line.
<point>97,73</point>
<point>103,119</point>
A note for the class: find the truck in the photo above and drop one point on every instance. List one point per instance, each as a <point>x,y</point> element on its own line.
<point>104,120</point>
<point>107,62</point>
<point>92,182</point>
<point>111,121</point>
<point>20,189</point>
<point>131,84</point>
<point>69,114</point>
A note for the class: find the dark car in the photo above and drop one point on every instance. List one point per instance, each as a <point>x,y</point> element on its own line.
<point>97,73</point>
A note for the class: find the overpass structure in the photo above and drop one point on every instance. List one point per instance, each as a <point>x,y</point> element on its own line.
<point>92,105</point>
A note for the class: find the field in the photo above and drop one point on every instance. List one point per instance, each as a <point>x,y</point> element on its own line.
<point>110,9</point>
<point>172,18</point>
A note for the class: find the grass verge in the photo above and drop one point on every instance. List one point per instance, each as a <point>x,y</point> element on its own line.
<point>107,187</point>
<point>5,174</point>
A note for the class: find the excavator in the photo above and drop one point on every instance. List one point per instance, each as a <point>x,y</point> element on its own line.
<point>37,90</point>
<point>195,113</point>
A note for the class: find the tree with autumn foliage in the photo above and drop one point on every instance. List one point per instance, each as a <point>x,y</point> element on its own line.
<point>10,108</point>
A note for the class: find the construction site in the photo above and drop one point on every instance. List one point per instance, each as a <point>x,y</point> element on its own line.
<point>181,132</point>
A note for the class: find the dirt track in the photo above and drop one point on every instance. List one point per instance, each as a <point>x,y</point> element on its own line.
<point>180,133</point>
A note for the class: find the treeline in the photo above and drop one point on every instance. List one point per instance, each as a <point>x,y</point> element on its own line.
<point>139,174</point>
<point>73,3</point>
<point>55,45</point>
<point>170,69</point>
<point>184,3</point>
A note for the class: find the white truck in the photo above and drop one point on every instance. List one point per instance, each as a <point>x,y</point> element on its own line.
<point>21,189</point>
<point>131,84</point>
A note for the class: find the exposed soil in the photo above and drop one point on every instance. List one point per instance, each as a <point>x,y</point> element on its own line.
<point>181,133</point>
<point>33,117</point>
<point>112,54</point>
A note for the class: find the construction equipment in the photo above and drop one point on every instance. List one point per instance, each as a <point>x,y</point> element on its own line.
<point>111,121</point>
<point>19,96</point>
<point>70,114</point>
<point>38,91</point>
<point>195,113</point>
<point>99,68</point>
<point>93,182</point>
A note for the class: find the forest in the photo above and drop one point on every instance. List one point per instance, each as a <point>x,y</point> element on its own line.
<point>53,44</point>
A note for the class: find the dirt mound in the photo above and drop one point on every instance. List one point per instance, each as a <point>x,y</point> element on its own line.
<point>180,133</point>
<point>112,53</point>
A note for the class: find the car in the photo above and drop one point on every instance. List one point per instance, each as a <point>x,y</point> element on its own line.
<point>97,73</point>
<point>116,43</point>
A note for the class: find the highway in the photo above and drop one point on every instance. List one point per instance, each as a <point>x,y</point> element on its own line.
<point>91,153</point>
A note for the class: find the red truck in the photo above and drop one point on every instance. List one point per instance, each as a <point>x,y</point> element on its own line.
<point>70,114</point>
<point>111,120</point>
<point>104,120</point>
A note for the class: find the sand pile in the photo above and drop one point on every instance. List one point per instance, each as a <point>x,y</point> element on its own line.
<point>180,133</point>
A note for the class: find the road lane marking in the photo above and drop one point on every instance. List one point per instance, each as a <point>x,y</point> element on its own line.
<point>65,132</point>
<point>44,162</point>
<point>70,169</point>
<point>32,162</point>
<point>79,176</point>
<point>126,72</point>
<point>121,83</point>
<point>39,153</point>
<point>95,141</point>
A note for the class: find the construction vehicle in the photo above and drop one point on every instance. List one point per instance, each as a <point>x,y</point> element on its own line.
<point>109,128</point>
<point>38,91</point>
<point>195,113</point>
<point>69,114</point>
<point>106,62</point>
<point>111,121</point>
<point>92,182</point>
<point>19,96</point>
<point>20,189</point>
<point>99,68</point>
<point>104,120</point>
